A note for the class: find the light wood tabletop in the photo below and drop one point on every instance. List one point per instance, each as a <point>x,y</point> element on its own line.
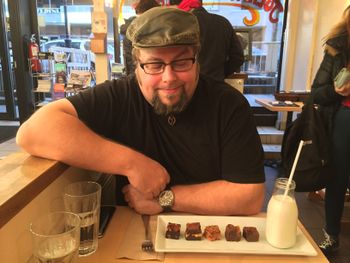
<point>22,178</point>
<point>268,105</point>
<point>117,231</point>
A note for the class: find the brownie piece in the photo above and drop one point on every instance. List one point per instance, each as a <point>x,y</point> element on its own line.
<point>193,231</point>
<point>250,233</point>
<point>173,231</point>
<point>212,233</point>
<point>233,233</point>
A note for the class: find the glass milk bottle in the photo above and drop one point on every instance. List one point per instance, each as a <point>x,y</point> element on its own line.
<point>282,215</point>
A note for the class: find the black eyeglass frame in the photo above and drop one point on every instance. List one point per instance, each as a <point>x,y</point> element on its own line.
<point>142,65</point>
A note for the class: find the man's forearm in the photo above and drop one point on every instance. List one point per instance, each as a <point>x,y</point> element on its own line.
<point>59,135</point>
<point>219,198</point>
<point>56,133</point>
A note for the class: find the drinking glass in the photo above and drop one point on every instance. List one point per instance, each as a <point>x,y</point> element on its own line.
<point>56,237</point>
<point>84,199</point>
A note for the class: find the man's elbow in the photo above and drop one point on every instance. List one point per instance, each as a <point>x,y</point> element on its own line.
<point>24,139</point>
<point>254,204</point>
<point>255,207</point>
<point>21,137</point>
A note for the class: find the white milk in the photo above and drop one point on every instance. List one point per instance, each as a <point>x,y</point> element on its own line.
<point>281,221</point>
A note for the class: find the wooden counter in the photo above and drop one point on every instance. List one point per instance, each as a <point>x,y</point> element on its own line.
<point>22,178</point>
<point>116,232</point>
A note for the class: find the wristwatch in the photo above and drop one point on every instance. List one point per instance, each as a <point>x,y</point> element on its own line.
<point>166,200</point>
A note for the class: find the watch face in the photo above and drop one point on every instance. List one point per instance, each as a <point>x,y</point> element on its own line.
<point>166,198</point>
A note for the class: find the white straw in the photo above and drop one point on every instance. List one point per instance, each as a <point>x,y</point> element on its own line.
<point>293,168</point>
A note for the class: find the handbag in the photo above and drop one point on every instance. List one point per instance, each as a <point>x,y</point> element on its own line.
<point>313,170</point>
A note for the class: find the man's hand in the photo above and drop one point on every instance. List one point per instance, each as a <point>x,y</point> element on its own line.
<point>142,203</point>
<point>147,175</point>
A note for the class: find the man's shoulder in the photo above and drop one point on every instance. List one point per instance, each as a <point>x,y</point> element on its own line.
<point>126,80</point>
<point>125,84</point>
<point>121,81</point>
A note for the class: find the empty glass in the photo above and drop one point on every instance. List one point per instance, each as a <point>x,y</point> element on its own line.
<point>84,199</point>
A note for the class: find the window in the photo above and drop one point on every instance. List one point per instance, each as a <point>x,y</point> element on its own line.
<point>59,22</point>
<point>264,22</point>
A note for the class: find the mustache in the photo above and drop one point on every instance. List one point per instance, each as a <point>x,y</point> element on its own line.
<point>174,86</point>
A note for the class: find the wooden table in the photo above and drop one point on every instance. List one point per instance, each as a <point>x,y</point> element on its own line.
<point>266,103</point>
<point>116,232</point>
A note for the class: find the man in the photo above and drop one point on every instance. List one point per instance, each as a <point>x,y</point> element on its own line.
<point>181,141</point>
<point>221,51</point>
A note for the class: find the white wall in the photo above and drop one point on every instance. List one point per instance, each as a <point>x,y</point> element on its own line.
<point>298,44</point>
<point>328,13</point>
<point>308,22</point>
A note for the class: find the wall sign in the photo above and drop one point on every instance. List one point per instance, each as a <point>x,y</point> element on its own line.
<point>273,7</point>
<point>48,10</point>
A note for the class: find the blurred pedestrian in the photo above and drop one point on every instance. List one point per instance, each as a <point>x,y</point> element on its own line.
<point>221,51</point>
<point>334,99</point>
<point>139,7</point>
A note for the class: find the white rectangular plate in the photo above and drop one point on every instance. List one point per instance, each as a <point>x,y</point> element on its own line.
<point>302,247</point>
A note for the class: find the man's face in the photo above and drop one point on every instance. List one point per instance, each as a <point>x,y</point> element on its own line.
<point>169,91</point>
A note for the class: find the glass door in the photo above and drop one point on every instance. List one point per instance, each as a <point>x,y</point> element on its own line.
<point>7,84</point>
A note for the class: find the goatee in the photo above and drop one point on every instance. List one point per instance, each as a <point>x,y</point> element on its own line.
<point>162,109</point>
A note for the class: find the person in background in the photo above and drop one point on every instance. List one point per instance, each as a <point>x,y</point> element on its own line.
<point>221,51</point>
<point>335,102</point>
<point>179,140</point>
<point>140,6</point>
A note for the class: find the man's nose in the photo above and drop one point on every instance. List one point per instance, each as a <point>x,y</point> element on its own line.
<point>169,74</point>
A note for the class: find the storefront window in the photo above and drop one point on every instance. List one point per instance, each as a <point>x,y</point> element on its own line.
<point>67,24</point>
<point>260,22</point>
<point>263,22</point>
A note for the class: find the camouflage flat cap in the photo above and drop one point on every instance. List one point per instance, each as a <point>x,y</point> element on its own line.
<point>162,27</point>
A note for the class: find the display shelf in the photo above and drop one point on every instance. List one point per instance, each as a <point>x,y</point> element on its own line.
<point>42,81</point>
<point>63,72</point>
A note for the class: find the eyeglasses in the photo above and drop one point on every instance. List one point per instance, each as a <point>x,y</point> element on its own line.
<point>179,65</point>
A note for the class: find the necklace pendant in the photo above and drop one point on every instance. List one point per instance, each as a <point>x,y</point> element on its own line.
<point>171,120</point>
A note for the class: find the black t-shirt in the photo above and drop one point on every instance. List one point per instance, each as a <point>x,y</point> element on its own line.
<point>214,138</point>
